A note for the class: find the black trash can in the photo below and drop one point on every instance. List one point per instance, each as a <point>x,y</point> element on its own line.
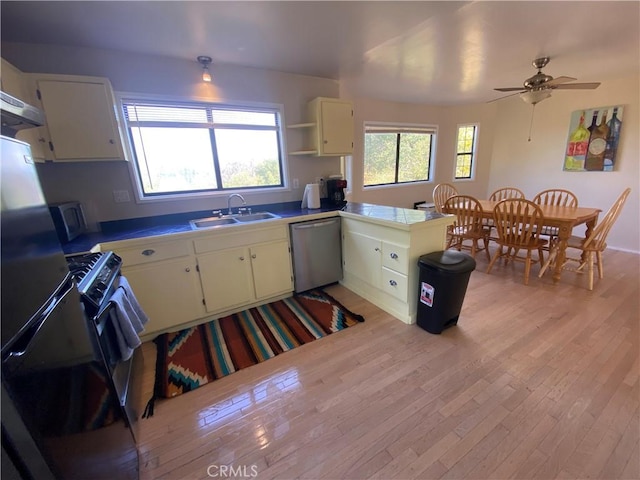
<point>444,277</point>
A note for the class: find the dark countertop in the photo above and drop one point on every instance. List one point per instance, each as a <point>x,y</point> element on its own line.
<point>131,228</point>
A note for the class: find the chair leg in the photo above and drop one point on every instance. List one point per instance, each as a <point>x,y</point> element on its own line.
<point>527,267</point>
<point>590,262</point>
<point>550,259</point>
<point>474,247</point>
<point>600,265</point>
<point>496,255</point>
<point>486,248</point>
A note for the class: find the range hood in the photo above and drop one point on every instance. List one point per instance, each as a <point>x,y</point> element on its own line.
<point>18,115</point>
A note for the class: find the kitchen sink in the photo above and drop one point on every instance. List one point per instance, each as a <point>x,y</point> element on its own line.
<point>253,217</point>
<point>226,220</point>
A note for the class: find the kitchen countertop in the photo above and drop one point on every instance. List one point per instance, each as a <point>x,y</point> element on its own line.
<point>132,228</point>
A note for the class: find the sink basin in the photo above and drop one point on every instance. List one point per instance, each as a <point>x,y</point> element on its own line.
<point>211,222</point>
<point>254,217</point>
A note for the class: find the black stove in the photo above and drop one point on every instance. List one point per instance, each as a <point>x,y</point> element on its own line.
<point>96,275</point>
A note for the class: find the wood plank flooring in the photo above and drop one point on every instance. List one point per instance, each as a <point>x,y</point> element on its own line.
<point>537,381</point>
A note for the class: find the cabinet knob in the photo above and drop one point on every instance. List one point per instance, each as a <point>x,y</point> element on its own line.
<point>112,141</point>
<point>377,249</point>
<point>253,256</point>
<point>393,283</point>
<point>148,252</point>
<point>242,259</point>
<point>393,255</point>
<point>187,269</point>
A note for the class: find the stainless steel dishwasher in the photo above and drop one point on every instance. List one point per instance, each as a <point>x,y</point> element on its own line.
<point>317,253</point>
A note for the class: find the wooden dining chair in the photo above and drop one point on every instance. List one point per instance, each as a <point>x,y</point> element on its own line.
<point>518,222</point>
<point>496,196</point>
<point>468,224</point>
<point>591,248</point>
<point>441,192</point>
<point>506,192</point>
<point>559,197</point>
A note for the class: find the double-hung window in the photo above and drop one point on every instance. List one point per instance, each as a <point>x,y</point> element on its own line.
<point>396,154</point>
<point>183,148</point>
<point>466,151</point>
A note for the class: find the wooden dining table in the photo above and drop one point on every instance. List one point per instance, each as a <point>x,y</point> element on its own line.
<point>561,217</point>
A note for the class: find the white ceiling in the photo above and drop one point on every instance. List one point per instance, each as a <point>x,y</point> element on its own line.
<point>442,52</point>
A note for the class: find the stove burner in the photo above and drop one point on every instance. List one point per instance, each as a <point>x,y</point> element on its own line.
<point>96,275</point>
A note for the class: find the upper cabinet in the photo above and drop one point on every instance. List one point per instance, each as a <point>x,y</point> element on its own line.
<point>13,83</point>
<point>329,131</point>
<point>81,117</point>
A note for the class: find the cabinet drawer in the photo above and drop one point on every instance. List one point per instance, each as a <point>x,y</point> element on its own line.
<point>154,252</point>
<point>394,284</point>
<point>395,257</point>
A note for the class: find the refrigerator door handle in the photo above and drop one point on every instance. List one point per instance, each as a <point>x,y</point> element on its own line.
<point>23,340</point>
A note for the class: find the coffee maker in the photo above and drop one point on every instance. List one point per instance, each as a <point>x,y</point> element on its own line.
<point>335,191</point>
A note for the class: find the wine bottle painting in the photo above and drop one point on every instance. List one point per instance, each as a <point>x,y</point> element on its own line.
<point>593,139</point>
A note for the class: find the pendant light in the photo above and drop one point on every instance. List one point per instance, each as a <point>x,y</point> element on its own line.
<point>205,62</point>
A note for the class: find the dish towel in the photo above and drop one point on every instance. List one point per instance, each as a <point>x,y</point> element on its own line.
<point>128,319</point>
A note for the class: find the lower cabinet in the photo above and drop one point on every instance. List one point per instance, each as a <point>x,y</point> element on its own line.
<point>240,276</point>
<point>168,291</point>
<point>381,262</point>
<point>180,281</point>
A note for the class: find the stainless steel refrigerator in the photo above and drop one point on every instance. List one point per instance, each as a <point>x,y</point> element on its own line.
<point>58,417</point>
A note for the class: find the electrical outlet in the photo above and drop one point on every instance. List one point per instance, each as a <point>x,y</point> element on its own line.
<point>121,196</point>
<point>296,183</point>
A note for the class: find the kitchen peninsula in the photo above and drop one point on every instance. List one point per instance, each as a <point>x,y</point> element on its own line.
<point>183,275</point>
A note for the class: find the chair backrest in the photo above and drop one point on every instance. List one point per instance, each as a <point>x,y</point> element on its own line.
<point>506,192</point>
<point>556,196</point>
<point>517,221</point>
<point>441,192</point>
<point>467,210</point>
<point>598,236</point>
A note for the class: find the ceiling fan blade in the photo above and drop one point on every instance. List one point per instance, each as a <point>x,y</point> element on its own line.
<point>506,96</point>
<point>577,86</point>
<point>508,89</point>
<point>559,80</point>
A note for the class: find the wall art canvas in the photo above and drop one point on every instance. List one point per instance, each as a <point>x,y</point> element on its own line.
<point>593,139</point>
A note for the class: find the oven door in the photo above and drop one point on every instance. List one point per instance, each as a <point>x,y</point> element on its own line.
<point>62,395</point>
<point>126,375</point>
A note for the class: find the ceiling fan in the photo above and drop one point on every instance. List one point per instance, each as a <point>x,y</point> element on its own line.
<point>539,86</point>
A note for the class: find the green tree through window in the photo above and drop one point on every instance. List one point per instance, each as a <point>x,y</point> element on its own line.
<point>395,155</point>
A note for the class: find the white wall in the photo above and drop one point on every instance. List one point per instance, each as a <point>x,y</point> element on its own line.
<point>537,165</point>
<point>93,183</point>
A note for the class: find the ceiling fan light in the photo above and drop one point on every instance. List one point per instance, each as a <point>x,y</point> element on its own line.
<point>535,96</point>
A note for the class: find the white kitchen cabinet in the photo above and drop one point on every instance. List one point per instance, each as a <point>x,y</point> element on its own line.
<point>271,267</point>
<point>13,83</point>
<point>329,131</point>
<point>381,261</point>
<point>240,276</point>
<point>226,279</point>
<point>169,292</point>
<point>81,117</point>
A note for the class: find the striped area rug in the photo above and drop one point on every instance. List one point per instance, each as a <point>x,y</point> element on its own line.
<point>193,357</point>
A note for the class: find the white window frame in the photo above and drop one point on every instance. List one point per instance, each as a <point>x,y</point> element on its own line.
<point>140,197</point>
<point>408,127</point>
<point>474,153</point>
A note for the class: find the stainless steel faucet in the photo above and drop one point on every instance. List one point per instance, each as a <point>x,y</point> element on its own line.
<point>229,201</point>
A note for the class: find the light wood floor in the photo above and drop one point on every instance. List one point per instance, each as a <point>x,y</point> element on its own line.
<point>537,381</point>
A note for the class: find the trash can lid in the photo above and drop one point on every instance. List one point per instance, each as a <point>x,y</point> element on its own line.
<point>449,261</point>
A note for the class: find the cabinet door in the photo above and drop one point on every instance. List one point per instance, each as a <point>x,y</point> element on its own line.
<point>271,265</point>
<point>169,292</point>
<point>14,84</point>
<point>362,257</point>
<point>336,128</point>
<point>226,279</point>
<point>81,119</point>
